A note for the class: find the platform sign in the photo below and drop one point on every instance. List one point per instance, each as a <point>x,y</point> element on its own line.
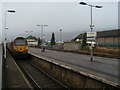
<point>91,36</point>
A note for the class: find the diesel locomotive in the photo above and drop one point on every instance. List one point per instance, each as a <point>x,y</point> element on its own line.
<point>19,47</point>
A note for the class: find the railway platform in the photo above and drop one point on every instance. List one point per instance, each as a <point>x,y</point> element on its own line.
<point>1,58</point>
<point>13,76</point>
<point>101,68</point>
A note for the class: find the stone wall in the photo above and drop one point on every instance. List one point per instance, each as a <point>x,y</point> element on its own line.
<point>72,46</point>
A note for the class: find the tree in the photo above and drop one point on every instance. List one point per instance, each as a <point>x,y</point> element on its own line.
<point>31,37</point>
<point>84,39</point>
<point>39,42</point>
<point>53,39</point>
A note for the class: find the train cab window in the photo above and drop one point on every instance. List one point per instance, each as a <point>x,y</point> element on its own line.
<point>20,42</point>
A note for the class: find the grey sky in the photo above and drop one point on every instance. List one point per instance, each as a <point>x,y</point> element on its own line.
<point>119,14</point>
<point>0,21</point>
<point>71,17</point>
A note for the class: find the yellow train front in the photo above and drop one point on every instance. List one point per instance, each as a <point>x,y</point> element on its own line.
<point>19,47</point>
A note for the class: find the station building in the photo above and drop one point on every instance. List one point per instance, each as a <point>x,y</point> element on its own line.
<point>32,42</point>
<point>108,38</point>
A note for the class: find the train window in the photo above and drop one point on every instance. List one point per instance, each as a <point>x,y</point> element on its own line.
<point>20,42</point>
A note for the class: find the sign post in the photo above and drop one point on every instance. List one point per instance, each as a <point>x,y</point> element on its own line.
<point>91,36</point>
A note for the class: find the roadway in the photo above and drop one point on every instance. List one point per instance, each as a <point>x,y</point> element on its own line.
<point>104,69</point>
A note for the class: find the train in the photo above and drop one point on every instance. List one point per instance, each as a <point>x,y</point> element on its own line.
<point>18,47</point>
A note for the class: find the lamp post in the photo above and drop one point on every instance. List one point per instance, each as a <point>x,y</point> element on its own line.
<point>28,32</point>
<point>91,25</point>
<point>10,11</point>
<point>42,36</point>
<point>61,35</point>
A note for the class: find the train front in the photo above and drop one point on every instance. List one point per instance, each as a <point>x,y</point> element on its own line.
<point>20,47</point>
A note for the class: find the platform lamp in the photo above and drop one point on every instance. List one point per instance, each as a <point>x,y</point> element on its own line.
<point>29,33</point>
<point>91,25</point>
<point>42,36</point>
<point>7,11</point>
<point>61,35</point>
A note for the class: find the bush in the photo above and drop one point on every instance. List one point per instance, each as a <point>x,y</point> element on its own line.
<point>101,50</point>
<point>86,48</point>
<point>106,50</point>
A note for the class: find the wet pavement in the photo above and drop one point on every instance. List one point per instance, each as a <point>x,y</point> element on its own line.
<point>101,67</point>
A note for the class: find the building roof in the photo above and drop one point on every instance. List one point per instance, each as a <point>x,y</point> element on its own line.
<point>80,36</point>
<point>109,33</point>
<point>106,33</point>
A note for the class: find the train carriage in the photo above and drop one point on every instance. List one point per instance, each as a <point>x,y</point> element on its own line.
<point>19,47</point>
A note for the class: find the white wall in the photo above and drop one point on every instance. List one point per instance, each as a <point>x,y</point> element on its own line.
<point>0,46</point>
<point>0,21</point>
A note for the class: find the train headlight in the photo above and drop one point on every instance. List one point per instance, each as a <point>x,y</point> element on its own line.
<point>15,47</point>
<point>26,47</point>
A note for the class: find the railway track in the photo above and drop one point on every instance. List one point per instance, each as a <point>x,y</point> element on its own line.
<point>37,77</point>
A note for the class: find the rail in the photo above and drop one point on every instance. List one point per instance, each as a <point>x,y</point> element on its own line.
<point>37,77</point>
<point>79,79</point>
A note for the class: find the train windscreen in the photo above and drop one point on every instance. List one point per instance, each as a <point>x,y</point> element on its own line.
<point>20,42</point>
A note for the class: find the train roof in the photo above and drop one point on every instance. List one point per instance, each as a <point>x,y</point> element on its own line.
<point>19,38</point>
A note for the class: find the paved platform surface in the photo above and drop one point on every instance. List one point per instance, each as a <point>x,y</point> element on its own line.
<point>105,69</point>
<point>0,66</point>
<point>13,77</point>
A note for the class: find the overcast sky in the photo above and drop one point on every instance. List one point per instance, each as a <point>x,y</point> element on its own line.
<point>71,17</point>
